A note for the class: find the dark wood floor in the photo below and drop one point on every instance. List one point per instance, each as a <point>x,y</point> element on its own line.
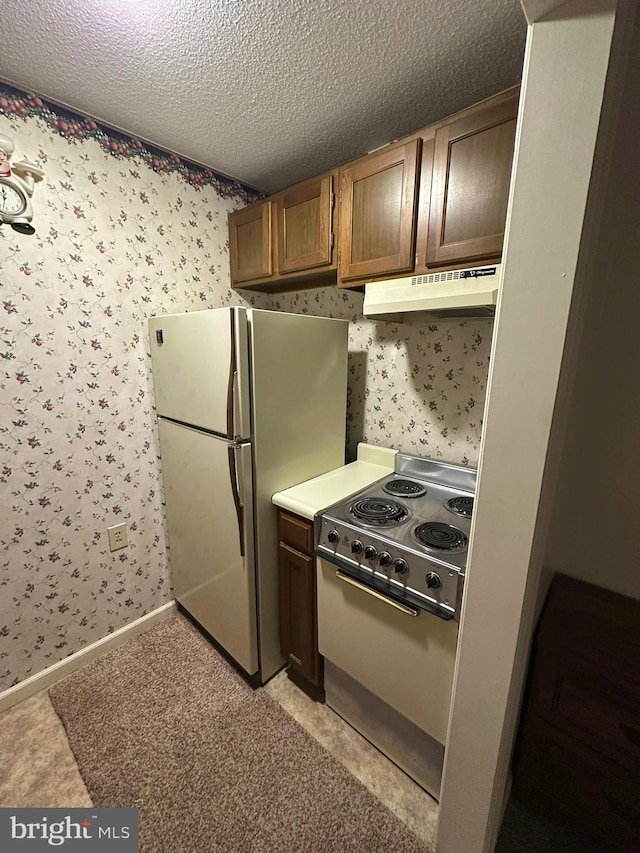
<point>526,831</point>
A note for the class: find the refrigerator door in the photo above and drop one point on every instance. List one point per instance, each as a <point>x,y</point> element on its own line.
<point>208,496</point>
<point>200,369</point>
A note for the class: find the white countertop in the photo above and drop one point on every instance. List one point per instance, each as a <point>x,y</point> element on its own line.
<point>306,499</point>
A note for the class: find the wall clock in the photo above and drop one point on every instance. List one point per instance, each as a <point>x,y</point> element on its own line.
<point>16,188</point>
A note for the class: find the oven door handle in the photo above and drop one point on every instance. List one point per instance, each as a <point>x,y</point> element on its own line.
<point>410,611</point>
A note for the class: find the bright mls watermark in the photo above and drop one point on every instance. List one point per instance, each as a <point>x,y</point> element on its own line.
<point>80,830</point>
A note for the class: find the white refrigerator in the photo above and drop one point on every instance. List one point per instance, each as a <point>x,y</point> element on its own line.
<point>249,402</point>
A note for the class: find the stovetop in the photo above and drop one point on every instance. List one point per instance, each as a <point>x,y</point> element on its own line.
<point>401,520</point>
<point>407,534</point>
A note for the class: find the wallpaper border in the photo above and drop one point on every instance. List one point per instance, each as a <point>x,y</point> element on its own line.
<point>74,127</point>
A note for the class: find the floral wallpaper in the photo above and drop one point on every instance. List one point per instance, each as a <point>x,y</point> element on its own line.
<point>124,231</point>
<point>417,386</point>
<point>121,234</point>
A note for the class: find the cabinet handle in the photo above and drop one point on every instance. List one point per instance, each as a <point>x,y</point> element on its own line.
<point>624,810</point>
<point>632,733</point>
<point>408,610</point>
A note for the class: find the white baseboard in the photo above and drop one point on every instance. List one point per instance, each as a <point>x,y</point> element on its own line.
<point>60,670</point>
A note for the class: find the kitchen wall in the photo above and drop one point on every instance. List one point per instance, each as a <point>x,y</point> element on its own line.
<point>418,386</point>
<point>120,235</point>
<point>124,232</point>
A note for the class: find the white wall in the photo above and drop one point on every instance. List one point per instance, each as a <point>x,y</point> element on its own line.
<point>547,246</point>
<point>595,523</point>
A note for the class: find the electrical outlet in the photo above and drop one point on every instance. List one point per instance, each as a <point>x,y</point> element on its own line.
<point>117,537</point>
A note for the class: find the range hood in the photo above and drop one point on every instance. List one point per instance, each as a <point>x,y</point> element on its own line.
<point>469,292</point>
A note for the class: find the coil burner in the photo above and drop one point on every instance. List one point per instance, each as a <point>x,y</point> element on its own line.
<point>404,489</point>
<point>378,512</point>
<point>462,505</point>
<point>440,537</point>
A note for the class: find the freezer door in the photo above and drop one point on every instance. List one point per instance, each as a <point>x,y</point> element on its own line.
<point>200,369</point>
<point>208,495</point>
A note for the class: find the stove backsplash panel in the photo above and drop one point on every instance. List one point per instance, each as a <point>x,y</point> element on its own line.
<point>418,386</point>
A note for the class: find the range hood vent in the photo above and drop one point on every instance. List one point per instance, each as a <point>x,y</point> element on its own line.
<point>470,292</point>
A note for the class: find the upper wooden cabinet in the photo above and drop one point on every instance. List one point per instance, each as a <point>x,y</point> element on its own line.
<point>436,200</point>
<point>286,241</point>
<point>462,171</point>
<point>251,242</point>
<point>472,157</point>
<point>377,215</point>
<point>304,217</point>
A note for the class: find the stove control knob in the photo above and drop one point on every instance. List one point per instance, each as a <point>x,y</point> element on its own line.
<point>370,552</point>
<point>333,536</point>
<point>433,580</point>
<point>401,566</point>
<point>385,558</point>
<point>356,546</point>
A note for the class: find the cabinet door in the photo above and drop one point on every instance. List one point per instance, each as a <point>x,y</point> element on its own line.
<point>377,216</point>
<point>304,216</point>
<point>250,242</point>
<point>298,631</point>
<point>470,186</point>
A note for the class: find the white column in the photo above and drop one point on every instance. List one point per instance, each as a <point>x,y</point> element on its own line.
<point>566,67</point>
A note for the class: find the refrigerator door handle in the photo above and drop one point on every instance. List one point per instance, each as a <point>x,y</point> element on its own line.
<point>232,388</point>
<point>236,399</point>
<point>238,502</point>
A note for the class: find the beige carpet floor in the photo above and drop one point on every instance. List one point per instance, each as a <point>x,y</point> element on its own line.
<point>382,777</point>
<point>37,767</point>
<point>165,724</point>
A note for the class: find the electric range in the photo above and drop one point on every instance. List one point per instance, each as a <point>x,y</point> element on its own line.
<point>406,536</point>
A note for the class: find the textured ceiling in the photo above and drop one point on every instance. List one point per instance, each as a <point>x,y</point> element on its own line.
<point>267,92</point>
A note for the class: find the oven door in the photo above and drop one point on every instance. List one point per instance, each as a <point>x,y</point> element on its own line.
<point>404,656</point>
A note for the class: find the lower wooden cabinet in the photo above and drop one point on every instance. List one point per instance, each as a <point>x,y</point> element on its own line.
<point>298,607</point>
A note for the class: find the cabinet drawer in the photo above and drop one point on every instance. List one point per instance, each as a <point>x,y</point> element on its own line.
<point>296,532</point>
